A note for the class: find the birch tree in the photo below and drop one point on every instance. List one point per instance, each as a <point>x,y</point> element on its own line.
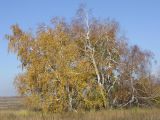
<point>82,64</point>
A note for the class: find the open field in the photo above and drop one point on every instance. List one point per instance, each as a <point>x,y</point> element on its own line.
<point>132,114</point>
<point>11,103</point>
<point>11,108</point>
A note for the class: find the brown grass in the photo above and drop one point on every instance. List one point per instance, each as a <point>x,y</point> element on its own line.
<point>11,103</point>
<point>132,114</point>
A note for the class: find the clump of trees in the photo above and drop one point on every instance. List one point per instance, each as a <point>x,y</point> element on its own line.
<point>85,64</point>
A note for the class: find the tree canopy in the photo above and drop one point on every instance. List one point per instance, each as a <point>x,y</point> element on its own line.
<point>85,64</point>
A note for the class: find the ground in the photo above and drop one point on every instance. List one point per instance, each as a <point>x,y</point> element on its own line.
<point>11,108</point>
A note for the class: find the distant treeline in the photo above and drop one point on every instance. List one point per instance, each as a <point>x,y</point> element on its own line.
<point>84,64</point>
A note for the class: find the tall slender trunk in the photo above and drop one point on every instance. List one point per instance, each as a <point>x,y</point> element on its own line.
<point>96,69</point>
<point>70,107</point>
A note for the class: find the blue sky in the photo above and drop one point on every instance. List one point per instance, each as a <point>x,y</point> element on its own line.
<point>139,21</point>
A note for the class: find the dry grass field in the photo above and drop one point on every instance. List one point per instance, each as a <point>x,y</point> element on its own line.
<point>132,114</point>
<point>11,108</point>
<point>11,103</point>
